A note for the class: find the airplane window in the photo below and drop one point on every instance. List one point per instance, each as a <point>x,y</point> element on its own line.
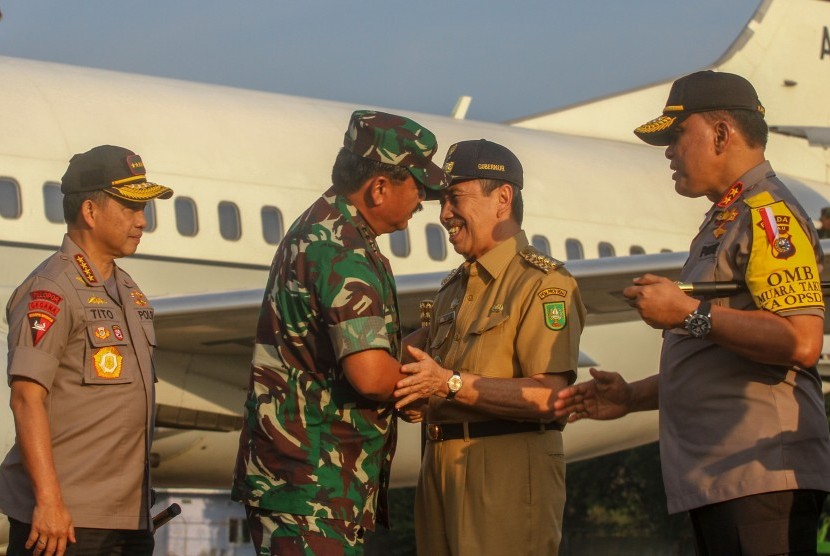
<point>271,225</point>
<point>636,250</point>
<point>150,216</point>
<point>573,249</point>
<point>606,249</point>
<point>399,241</point>
<point>9,198</point>
<point>229,225</point>
<point>187,219</point>
<point>541,243</point>
<point>53,202</point>
<point>436,242</point>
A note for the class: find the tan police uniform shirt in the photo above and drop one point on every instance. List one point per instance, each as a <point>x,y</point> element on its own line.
<point>518,314</point>
<point>93,354</point>
<point>729,426</point>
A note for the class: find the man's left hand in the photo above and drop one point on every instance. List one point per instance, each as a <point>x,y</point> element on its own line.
<point>660,302</point>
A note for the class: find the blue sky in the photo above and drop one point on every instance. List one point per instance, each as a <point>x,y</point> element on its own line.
<point>513,58</point>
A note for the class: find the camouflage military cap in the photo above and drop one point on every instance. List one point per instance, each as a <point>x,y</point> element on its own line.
<point>396,140</point>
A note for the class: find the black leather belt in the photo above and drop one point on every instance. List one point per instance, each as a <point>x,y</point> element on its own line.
<point>437,432</point>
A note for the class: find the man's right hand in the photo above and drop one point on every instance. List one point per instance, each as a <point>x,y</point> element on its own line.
<point>51,529</point>
<point>414,412</point>
<point>605,397</point>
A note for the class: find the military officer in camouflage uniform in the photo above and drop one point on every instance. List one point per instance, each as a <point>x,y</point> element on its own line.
<point>314,455</point>
<point>503,339</point>
<point>82,380</point>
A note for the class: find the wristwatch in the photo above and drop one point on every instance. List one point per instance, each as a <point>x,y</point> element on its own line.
<point>699,323</point>
<point>454,384</point>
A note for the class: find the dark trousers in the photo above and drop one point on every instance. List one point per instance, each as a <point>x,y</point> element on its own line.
<point>90,542</point>
<point>766,524</point>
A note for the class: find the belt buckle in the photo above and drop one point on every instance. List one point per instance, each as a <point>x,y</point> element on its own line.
<point>434,432</point>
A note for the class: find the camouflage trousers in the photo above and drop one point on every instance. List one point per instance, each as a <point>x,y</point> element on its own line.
<point>283,534</point>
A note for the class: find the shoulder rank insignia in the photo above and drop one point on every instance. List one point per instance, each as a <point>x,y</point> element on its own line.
<point>138,298</point>
<point>731,195</point>
<point>85,269</point>
<point>451,276</point>
<point>539,259</point>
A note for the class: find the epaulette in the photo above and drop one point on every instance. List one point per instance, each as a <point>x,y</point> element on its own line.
<point>539,259</point>
<point>449,277</point>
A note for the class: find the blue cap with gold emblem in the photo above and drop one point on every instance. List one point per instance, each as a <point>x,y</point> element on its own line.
<point>115,170</point>
<point>702,91</point>
<point>482,159</point>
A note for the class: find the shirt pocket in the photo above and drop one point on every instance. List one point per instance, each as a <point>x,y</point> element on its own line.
<point>149,333</point>
<point>493,352</point>
<point>441,334</point>
<point>109,358</point>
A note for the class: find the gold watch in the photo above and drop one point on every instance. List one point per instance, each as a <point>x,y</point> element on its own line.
<point>454,384</point>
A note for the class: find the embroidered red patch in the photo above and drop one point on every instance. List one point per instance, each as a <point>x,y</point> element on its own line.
<point>40,324</point>
<point>46,295</point>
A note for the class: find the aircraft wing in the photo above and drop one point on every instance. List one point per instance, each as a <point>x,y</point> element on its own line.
<point>815,136</point>
<point>222,323</point>
<point>215,323</point>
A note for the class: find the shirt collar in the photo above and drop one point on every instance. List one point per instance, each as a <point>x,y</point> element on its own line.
<point>496,259</point>
<point>86,269</point>
<point>748,181</point>
<point>342,204</point>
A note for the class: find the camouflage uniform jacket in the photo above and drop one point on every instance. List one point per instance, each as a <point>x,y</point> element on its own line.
<point>311,444</point>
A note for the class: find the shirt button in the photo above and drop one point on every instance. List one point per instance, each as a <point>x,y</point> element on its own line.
<point>457,337</point>
<point>469,298</point>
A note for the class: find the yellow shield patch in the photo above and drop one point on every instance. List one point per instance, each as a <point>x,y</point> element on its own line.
<point>108,362</point>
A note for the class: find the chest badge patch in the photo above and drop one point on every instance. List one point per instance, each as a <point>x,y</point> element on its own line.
<point>117,331</point>
<point>777,229</point>
<point>108,362</point>
<point>555,317</point>
<point>446,317</point>
<point>723,219</point>
<point>102,333</point>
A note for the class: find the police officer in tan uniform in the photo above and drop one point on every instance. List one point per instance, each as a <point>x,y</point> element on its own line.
<point>76,481</point>
<point>744,443</point>
<point>503,340</point>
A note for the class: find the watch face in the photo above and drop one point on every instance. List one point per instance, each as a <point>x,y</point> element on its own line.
<point>454,383</point>
<point>698,325</point>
